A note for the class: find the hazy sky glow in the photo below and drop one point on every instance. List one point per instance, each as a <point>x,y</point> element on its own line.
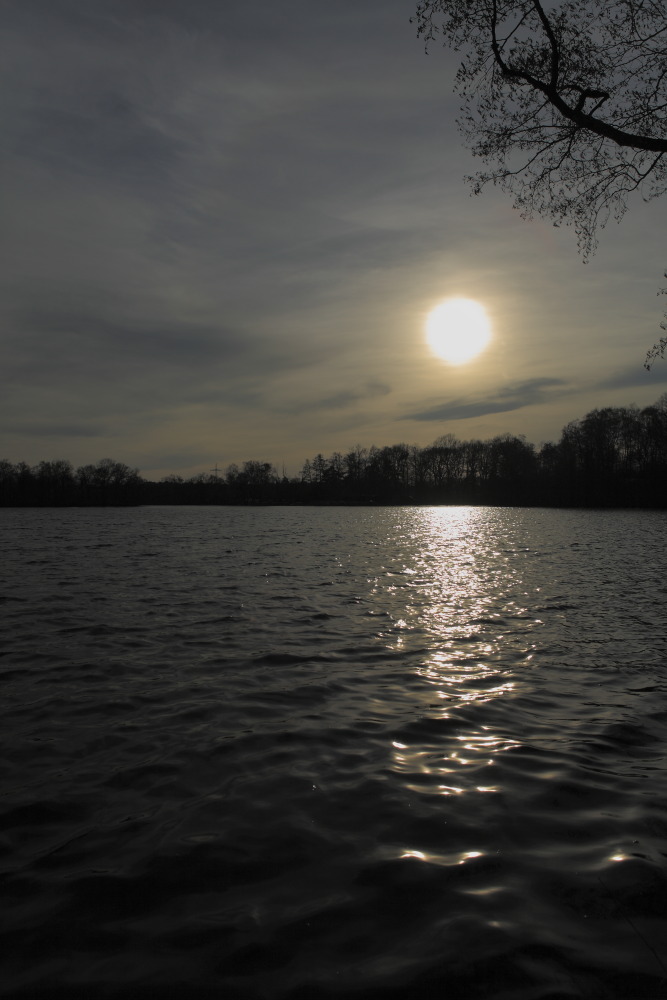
<point>226,224</point>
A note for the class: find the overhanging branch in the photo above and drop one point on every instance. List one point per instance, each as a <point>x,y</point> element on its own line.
<point>551,91</point>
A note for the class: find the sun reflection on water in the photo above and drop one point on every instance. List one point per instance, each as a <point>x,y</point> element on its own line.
<point>462,600</point>
<point>444,859</point>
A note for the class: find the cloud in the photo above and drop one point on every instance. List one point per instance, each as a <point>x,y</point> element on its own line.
<point>634,376</point>
<point>337,400</point>
<point>513,397</point>
<point>219,229</point>
<point>49,430</point>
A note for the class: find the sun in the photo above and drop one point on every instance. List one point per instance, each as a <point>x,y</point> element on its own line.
<point>458,330</point>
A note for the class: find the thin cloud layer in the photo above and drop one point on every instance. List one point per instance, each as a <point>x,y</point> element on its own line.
<point>634,377</point>
<point>511,397</point>
<point>224,227</point>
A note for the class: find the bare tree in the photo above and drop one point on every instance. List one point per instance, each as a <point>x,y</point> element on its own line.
<point>658,350</point>
<point>566,103</point>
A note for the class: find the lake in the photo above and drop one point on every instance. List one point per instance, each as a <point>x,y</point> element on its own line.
<point>282,752</point>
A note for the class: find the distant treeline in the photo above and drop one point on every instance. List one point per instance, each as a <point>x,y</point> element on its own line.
<point>613,457</point>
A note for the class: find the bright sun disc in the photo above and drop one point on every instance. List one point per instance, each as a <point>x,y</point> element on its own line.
<point>457,330</point>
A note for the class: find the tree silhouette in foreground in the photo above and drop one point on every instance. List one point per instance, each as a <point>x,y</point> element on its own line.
<point>566,104</point>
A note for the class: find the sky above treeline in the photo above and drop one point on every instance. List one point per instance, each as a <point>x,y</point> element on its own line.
<point>225,225</point>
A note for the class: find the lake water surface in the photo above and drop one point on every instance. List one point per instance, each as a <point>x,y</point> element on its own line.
<point>334,752</point>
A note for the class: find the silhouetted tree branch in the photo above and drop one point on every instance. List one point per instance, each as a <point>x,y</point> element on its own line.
<point>658,350</point>
<point>565,103</point>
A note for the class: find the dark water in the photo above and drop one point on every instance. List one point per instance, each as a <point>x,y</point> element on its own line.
<point>272,753</point>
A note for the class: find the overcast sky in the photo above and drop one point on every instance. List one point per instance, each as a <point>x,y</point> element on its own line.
<point>224,225</point>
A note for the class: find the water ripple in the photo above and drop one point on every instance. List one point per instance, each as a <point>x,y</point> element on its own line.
<point>290,753</point>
